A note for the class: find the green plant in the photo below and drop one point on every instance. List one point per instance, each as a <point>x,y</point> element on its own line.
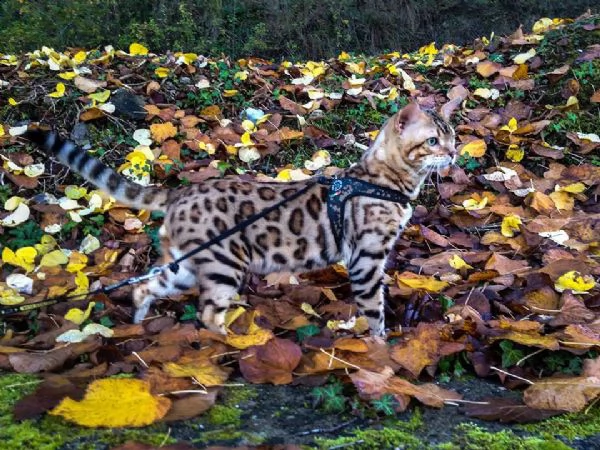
<point>330,397</point>
<point>26,234</point>
<point>510,354</point>
<point>468,162</point>
<point>386,405</point>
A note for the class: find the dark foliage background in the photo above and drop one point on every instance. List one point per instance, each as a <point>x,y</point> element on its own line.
<point>269,28</point>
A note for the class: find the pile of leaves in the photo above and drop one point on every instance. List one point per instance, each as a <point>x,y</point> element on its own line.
<point>497,272</point>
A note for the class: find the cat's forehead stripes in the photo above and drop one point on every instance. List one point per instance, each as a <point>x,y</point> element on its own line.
<point>439,121</point>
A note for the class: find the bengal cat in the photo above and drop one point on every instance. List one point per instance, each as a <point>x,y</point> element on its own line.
<point>298,235</point>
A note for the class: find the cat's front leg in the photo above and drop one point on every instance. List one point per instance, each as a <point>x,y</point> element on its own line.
<point>366,275</point>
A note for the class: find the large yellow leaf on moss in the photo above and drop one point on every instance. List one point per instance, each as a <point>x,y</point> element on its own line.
<point>162,131</point>
<point>114,403</point>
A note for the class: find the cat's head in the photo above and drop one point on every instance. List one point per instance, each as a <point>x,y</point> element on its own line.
<point>420,139</point>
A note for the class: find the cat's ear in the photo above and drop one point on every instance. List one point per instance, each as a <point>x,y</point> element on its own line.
<point>406,115</point>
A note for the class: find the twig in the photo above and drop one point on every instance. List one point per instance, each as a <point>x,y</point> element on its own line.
<point>338,359</point>
<point>164,441</point>
<point>23,384</point>
<point>519,362</point>
<point>141,360</point>
<point>512,375</point>
<point>326,430</point>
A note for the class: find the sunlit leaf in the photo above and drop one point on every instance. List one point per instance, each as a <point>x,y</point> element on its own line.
<point>58,92</point>
<point>137,49</point>
<point>515,153</point>
<point>475,148</point>
<point>54,258</point>
<point>114,402</point>
<point>24,257</point>
<point>78,316</point>
<point>575,281</point>
<point>510,224</point>
<point>456,262</point>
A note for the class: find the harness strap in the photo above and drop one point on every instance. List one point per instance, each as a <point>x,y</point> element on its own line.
<point>343,189</point>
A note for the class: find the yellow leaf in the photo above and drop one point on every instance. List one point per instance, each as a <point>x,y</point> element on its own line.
<point>515,153</point>
<point>82,282</point>
<point>308,309</point>
<point>53,259</point>
<point>100,97</point>
<point>78,316</point>
<point>248,125</point>
<point>573,188</point>
<point>24,257</point>
<point>414,281</point>
<point>204,372</point>
<point>10,297</point>
<point>75,192</point>
<point>114,402</point>
<point>521,58</point>
<point>77,262</point>
<point>562,200</point>
<point>512,125</point>
<point>579,284</point>
<point>475,149</point>
<point>456,262</point>
<point>162,72</point>
<point>230,92</point>
<point>79,57</point>
<point>233,314</point>
<point>472,204</point>
<point>284,175</point>
<point>242,75</point>
<point>59,92</point>
<point>162,131</point>
<point>343,56</point>
<point>246,139</point>
<point>242,341</point>
<point>510,224</point>
<point>67,75</point>
<point>137,49</point>
<point>12,102</point>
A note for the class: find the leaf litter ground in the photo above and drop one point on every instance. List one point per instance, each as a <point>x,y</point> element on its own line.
<point>496,275</point>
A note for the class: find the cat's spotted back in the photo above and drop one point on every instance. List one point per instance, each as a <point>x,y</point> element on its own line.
<point>296,236</point>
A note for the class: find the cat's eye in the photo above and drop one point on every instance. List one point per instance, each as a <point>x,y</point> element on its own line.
<point>432,141</point>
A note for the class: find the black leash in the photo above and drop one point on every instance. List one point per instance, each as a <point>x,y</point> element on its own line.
<point>340,190</point>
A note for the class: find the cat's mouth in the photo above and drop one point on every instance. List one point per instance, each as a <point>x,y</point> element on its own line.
<point>439,162</point>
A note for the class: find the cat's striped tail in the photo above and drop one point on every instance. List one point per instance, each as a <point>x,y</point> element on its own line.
<point>123,190</point>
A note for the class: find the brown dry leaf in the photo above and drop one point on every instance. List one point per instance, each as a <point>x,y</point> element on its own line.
<point>284,134</point>
<point>351,345</point>
<point>114,402</point>
<point>372,385</point>
<point>426,348</point>
<point>572,311</point>
<point>562,394</point>
<point>45,397</point>
<point>53,359</point>
<point>87,85</point>
<point>91,114</point>
<point>183,408</point>
<point>270,363</point>
<point>433,237</point>
<point>259,336</point>
<point>292,106</point>
<point>504,265</point>
<point>487,68</point>
<point>162,131</point>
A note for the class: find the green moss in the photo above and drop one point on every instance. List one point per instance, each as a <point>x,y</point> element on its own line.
<point>229,434</point>
<point>395,433</point>
<point>471,437</point>
<point>224,415</point>
<point>235,395</point>
<point>571,426</point>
